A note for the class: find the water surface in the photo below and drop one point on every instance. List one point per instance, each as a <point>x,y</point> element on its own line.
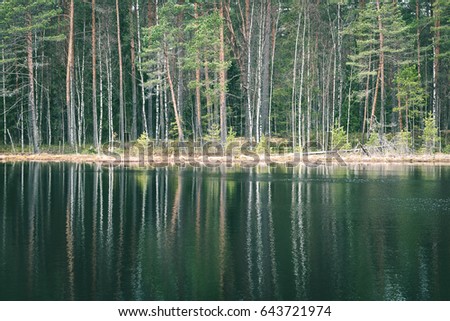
<point>86,232</point>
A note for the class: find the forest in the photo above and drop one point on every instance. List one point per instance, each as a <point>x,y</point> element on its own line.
<point>78,75</point>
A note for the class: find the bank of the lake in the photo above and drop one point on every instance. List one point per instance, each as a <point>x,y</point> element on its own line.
<point>290,159</point>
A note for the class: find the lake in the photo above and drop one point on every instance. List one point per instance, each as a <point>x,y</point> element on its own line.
<point>91,232</point>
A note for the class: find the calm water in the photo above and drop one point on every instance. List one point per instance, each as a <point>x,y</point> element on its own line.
<point>102,233</point>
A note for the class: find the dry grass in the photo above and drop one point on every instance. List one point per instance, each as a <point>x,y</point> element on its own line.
<point>321,159</point>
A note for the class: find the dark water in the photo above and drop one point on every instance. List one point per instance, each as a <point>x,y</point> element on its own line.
<point>97,233</point>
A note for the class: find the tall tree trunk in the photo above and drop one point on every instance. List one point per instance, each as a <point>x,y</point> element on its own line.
<point>265,86</point>
<point>180,57</point>
<point>121,103</point>
<point>94,79</point>
<point>249,113</point>
<point>133,77</point>
<point>110,93</point>
<point>198,102</point>
<point>366,100</point>
<point>31,99</point>
<point>381,68</point>
<point>174,101</point>
<point>399,107</point>
<point>208,95</point>
<point>349,103</point>
<point>100,129</point>
<point>258,73</point>
<point>49,122</point>
<point>69,80</point>
<point>272,64</point>
<point>374,103</point>
<point>222,80</point>
<point>340,72</point>
<point>81,120</point>
<point>300,96</point>
<point>308,94</point>
<point>141,74</point>
<point>436,53</point>
<point>294,80</point>
<point>418,37</point>
<point>4,92</point>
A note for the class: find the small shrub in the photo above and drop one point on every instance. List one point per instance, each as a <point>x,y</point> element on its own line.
<point>263,145</point>
<point>140,144</point>
<point>430,134</point>
<point>143,140</point>
<point>374,140</point>
<point>446,150</point>
<point>231,136</point>
<point>213,134</point>
<point>339,138</point>
<point>403,142</point>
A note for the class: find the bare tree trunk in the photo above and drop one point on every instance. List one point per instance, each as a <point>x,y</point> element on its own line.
<point>141,74</point>
<point>179,58</point>
<point>374,104</point>
<point>380,30</point>
<point>333,100</point>
<point>4,92</point>
<point>436,53</point>
<point>174,101</point>
<point>308,115</point>
<point>399,107</point>
<point>22,128</point>
<point>249,27</point>
<point>100,130</point>
<point>265,72</point>
<point>41,94</point>
<point>258,82</point>
<point>81,132</point>
<point>31,99</point>
<point>300,96</point>
<point>165,114</point>
<point>366,100</point>
<point>197,90</point>
<point>133,79</point>
<point>94,80</point>
<point>294,80</point>
<point>49,123</point>
<point>349,103</point>
<point>222,81</point>
<point>121,103</point>
<point>208,96</point>
<point>340,72</point>
<point>418,37</point>
<point>274,41</point>
<point>110,94</point>
<point>69,80</point>
<point>80,93</point>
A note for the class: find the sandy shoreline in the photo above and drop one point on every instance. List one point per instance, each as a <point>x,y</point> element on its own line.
<point>287,159</point>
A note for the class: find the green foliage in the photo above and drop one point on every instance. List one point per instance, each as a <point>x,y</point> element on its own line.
<point>143,140</point>
<point>409,91</point>
<point>403,142</point>
<point>231,136</point>
<point>430,134</point>
<point>339,139</point>
<point>446,150</point>
<point>374,140</point>
<point>263,145</point>
<point>213,134</point>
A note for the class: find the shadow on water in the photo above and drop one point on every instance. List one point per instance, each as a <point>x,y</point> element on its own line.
<point>89,232</point>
